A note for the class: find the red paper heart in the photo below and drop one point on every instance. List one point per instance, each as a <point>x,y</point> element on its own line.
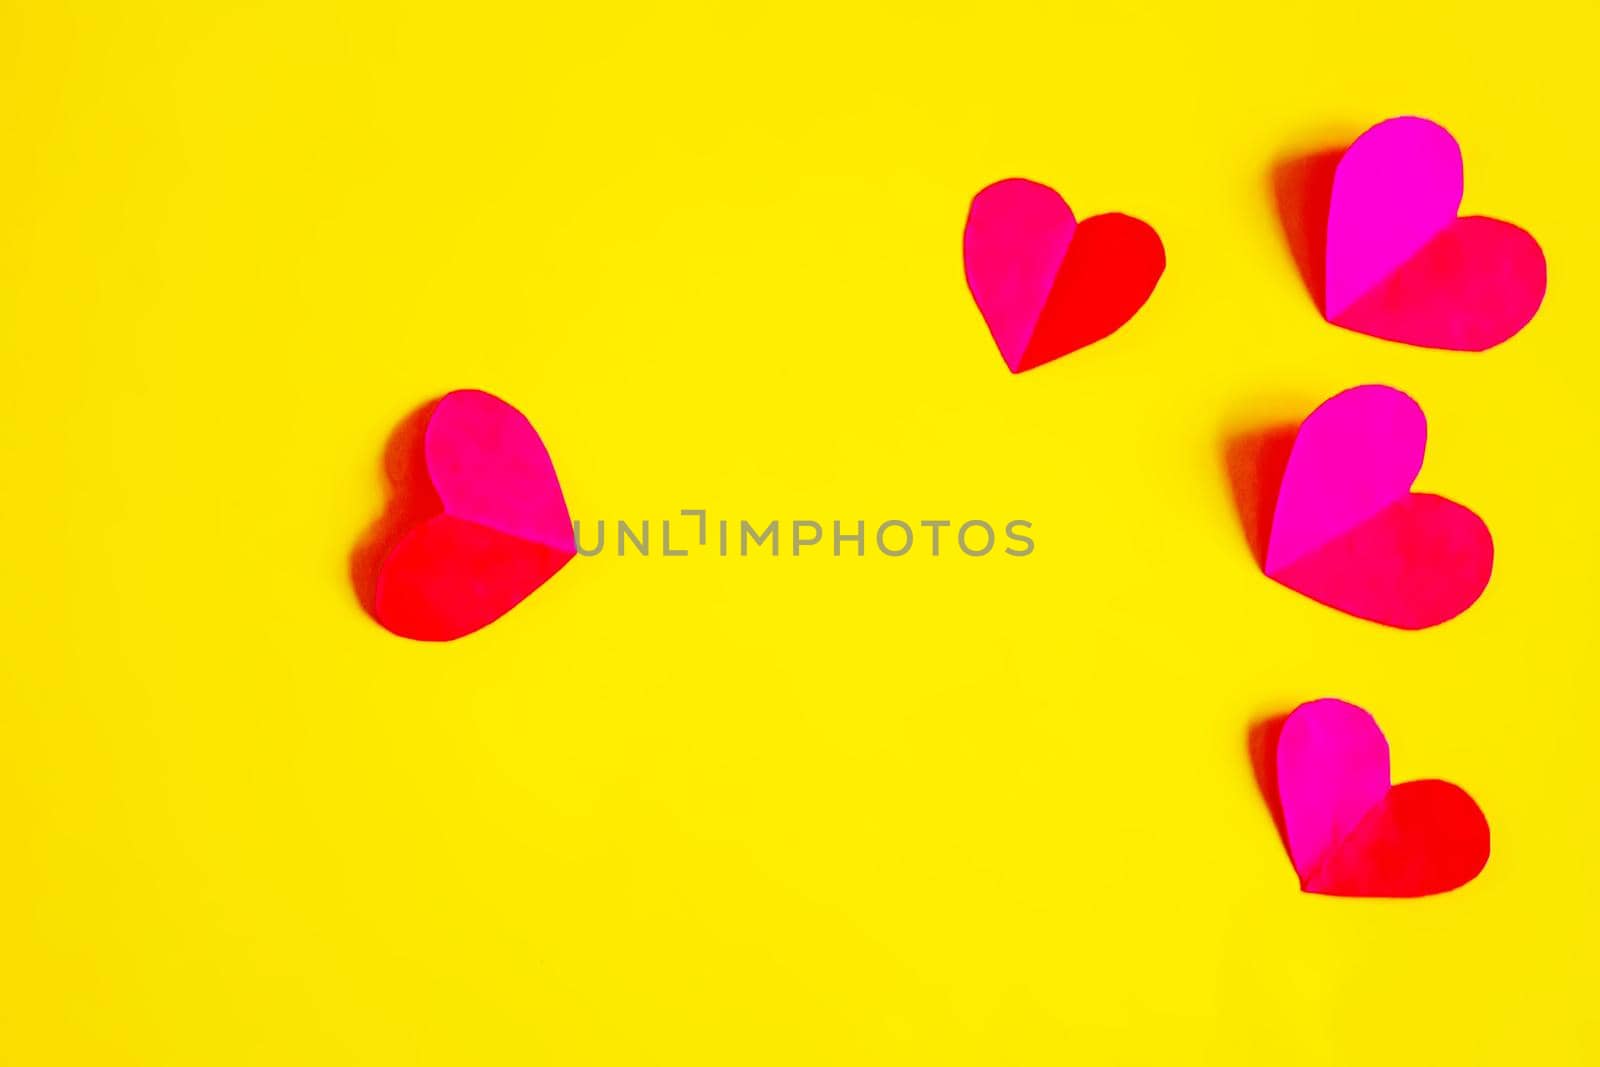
<point>484,524</point>
<point>1048,285</point>
<point>1353,834</point>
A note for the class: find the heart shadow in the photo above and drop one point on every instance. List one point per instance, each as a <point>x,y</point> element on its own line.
<point>412,499</point>
<point>1261,740</point>
<point>1255,462</point>
<point>1303,189</point>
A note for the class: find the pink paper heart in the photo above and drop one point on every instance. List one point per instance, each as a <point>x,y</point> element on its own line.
<point>1351,833</point>
<point>491,523</point>
<point>1402,266</point>
<point>1349,533</point>
<point>1047,284</point>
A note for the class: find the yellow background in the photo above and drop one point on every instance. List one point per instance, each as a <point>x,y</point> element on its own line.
<point>722,811</point>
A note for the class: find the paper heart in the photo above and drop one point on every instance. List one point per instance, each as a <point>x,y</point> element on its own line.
<point>1048,284</point>
<point>1352,834</point>
<point>1402,266</point>
<point>492,525</point>
<point>1349,533</point>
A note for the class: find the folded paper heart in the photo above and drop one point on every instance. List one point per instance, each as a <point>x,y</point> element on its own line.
<point>1352,834</point>
<point>1402,266</point>
<point>1349,533</point>
<point>1047,284</point>
<point>491,529</point>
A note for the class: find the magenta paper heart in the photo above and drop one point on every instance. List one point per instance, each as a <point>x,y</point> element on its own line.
<point>1402,266</point>
<point>1349,533</point>
<point>1353,834</point>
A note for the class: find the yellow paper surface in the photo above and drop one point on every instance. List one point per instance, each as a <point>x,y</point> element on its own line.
<point>752,811</point>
